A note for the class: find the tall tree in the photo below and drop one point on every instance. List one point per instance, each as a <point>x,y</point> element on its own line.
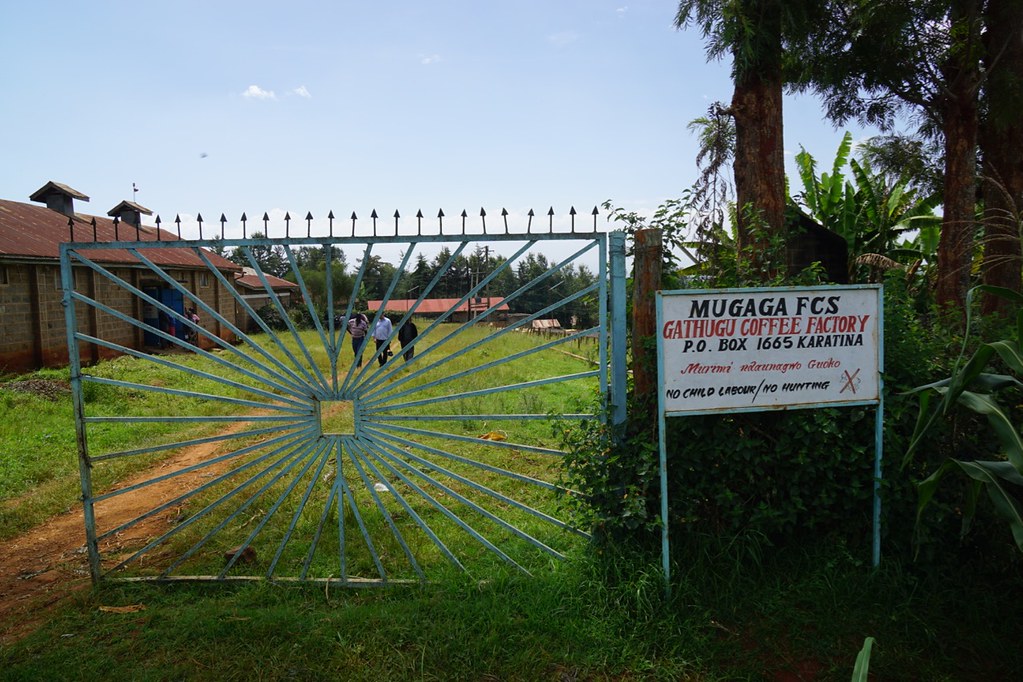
<point>958,109</point>
<point>270,259</point>
<point>878,60</point>
<point>755,34</point>
<point>1001,144</point>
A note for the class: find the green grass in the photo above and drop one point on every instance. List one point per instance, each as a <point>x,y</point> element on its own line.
<point>738,611</point>
<point>43,476</point>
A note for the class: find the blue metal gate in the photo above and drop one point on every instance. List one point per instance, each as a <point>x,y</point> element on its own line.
<point>281,454</point>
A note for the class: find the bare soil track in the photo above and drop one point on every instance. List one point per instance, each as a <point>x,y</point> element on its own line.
<point>45,565</point>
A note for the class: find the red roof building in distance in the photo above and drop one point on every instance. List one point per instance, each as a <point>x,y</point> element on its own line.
<point>434,307</point>
<point>250,280</point>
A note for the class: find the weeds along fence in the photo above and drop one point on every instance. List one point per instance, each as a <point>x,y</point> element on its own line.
<point>307,457</point>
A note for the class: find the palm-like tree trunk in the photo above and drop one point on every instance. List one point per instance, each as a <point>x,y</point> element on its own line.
<point>960,120</point>
<point>1001,145</point>
<point>759,163</point>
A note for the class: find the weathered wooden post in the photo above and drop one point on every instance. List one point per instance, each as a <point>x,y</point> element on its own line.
<point>645,282</point>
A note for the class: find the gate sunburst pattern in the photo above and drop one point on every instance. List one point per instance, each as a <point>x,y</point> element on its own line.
<point>279,453</point>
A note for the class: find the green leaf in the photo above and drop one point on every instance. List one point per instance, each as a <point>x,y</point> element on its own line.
<point>1009,437</point>
<point>966,375</point>
<point>1005,503</point>
<point>1014,296</point>
<point>1010,354</point>
<point>1003,470</point>
<point>926,488</point>
<point>862,666</point>
<point>924,420</point>
<point>992,383</point>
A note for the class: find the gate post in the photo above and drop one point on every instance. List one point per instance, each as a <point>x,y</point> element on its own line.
<point>619,365</point>
<point>646,281</point>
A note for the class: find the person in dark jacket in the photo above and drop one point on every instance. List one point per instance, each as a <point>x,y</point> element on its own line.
<point>406,335</point>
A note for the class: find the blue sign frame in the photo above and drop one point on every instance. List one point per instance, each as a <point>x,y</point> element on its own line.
<point>751,293</point>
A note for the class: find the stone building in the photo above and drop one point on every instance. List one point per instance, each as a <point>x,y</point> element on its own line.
<point>33,331</point>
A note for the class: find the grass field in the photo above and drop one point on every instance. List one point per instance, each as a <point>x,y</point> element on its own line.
<point>739,608</point>
<point>468,476</point>
<point>799,614</point>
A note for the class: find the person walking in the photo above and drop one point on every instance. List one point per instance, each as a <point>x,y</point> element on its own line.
<point>407,333</point>
<point>358,325</point>
<point>193,333</point>
<point>381,336</point>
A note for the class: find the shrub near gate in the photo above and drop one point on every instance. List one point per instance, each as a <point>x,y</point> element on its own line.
<point>784,475</point>
<point>789,474</point>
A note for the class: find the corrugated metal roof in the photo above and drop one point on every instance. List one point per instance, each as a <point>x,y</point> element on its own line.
<point>436,306</point>
<point>251,281</point>
<point>30,231</point>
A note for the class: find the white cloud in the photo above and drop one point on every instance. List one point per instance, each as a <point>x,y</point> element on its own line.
<point>301,91</point>
<point>431,59</point>
<point>562,38</point>
<point>622,10</point>
<point>256,92</point>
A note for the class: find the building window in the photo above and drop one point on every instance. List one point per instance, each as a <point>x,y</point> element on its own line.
<point>204,279</point>
<point>4,276</point>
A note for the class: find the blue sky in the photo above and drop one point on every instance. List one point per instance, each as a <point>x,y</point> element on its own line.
<point>227,107</point>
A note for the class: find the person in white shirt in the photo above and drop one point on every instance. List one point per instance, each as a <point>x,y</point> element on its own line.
<point>381,335</point>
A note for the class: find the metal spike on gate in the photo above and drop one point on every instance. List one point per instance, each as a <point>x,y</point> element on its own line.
<point>266,224</point>
<point>287,225</point>
<point>595,214</point>
<point>406,429</point>
<point>330,218</point>
<point>373,215</point>
<point>309,224</point>
<point>94,229</point>
<point>177,219</point>
<point>529,225</point>
<point>550,220</point>
<point>71,227</point>
<point>117,235</point>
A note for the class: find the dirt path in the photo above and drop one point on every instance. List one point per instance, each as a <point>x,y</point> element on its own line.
<point>45,565</point>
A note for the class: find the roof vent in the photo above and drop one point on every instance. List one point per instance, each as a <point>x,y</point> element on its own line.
<point>58,197</point>
<point>129,213</point>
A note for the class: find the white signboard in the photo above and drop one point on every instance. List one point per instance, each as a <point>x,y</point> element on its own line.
<point>761,349</point>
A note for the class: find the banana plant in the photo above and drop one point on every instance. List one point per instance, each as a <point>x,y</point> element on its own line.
<point>830,199</point>
<point>973,388</point>
<point>886,214</point>
<point>871,215</point>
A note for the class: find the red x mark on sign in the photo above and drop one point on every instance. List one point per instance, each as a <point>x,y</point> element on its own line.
<point>849,379</point>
